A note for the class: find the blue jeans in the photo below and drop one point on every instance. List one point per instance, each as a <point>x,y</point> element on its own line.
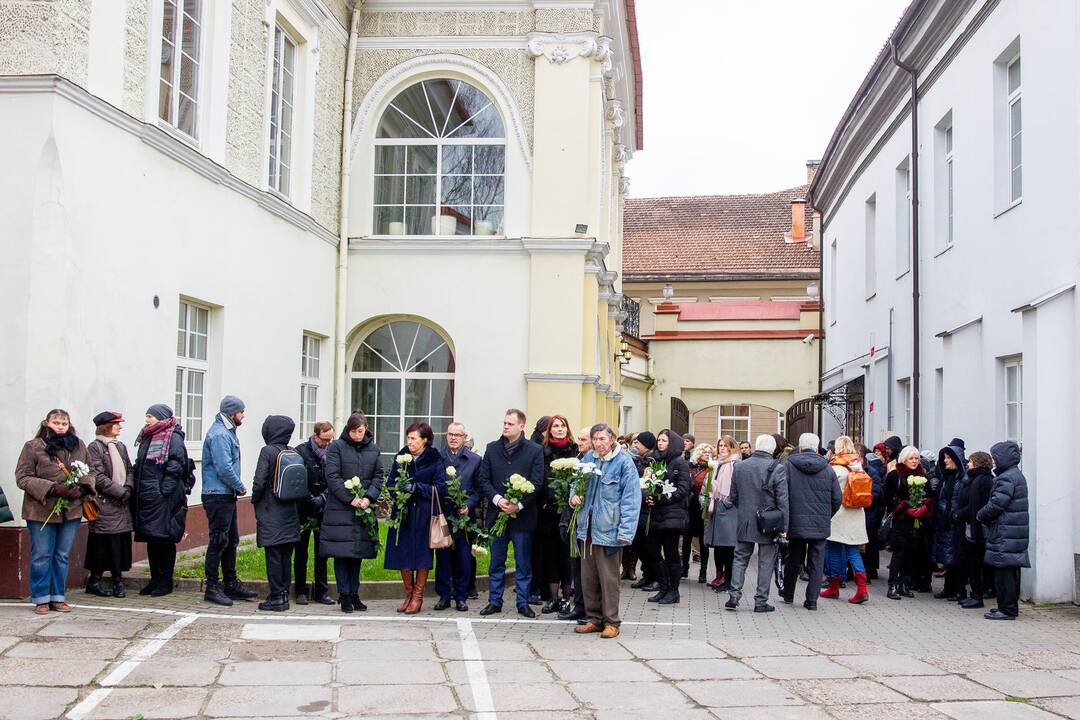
<point>347,575</point>
<point>522,541</point>
<point>50,544</point>
<point>837,557</point>
<point>452,567</point>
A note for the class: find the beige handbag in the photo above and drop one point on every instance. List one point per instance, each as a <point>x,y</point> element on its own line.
<point>439,536</point>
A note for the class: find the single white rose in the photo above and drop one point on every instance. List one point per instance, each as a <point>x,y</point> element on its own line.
<point>451,471</point>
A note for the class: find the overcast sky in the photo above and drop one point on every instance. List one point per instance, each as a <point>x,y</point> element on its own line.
<point>739,94</point>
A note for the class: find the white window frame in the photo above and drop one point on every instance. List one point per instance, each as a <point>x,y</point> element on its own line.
<point>1013,366</point>
<point>309,408</point>
<point>903,218</point>
<point>310,356</point>
<point>781,424</point>
<point>721,417</point>
<point>833,305</point>
<point>950,198</point>
<point>1016,155</point>
<point>180,17</point>
<point>905,392</point>
<point>870,247</point>
<point>279,176</point>
<point>310,371</point>
<point>189,365</point>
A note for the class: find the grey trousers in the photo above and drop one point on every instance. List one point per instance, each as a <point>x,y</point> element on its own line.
<point>766,563</point>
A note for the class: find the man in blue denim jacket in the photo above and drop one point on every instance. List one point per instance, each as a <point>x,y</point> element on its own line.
<point>606,522</point>
<point>221,485</point>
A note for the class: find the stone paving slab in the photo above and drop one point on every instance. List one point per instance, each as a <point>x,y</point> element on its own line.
<point>280,650</point>
<point>614,694</point>
<point>938,688</point>
<point>886,711</point>
<point>280,701</point>
<point>796,712</point>
<point>69,648</point>
<point>396,699</point>
<point>584,671</point>
<point>124,703</point>
<point>1028,683</point>
<point>169,673</point>
<point>843,692</point>
<point>78,628</point>
<point>185,650</point>
<point>522,698</point>
<point>1051,659</point>
<point>761,647</point>
<point>707,669</point>
<point>993,710</point>
<point>6,642</point>
<point>517,672</point>
<point>489,649</point>
<point>282,672</point>
<point>48,672</point>
<point>881,665</point>
<point>966,663</point>
<point>739,693</point>
<point>385,650</point>
<point>309,632</point>
<point>35,703</point>
<point>798,667</point>
<point>388,631</point>
<point>642,714</point>
<point>389,672</point>
<point>672,650</point>
<point>1066,706</point>
<point>591,647</point>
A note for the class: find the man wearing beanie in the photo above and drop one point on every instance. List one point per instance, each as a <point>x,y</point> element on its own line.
<point>221,486</point>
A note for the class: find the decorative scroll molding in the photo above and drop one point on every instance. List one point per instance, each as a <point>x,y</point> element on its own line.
<point>624,185</point>
<point>562,48</point>
<point>622,155</point>
<point>615,113</point>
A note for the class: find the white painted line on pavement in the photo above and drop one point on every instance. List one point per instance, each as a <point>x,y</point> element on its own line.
<point>125,668</point>
<point>483,703</point>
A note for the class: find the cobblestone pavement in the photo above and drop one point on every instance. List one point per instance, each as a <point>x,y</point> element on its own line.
<point>177,657</point>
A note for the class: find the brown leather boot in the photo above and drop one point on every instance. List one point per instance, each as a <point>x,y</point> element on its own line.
<point>417,600</point>
<point>407,580</point>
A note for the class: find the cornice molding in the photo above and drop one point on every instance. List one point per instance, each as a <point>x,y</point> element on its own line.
<point>320,15</point>
<point>562,378</point>
<point>165,143</point>
<point>558,245</point>
<point>436,245</point>
<point>442,42</point>
<point>560,48</point>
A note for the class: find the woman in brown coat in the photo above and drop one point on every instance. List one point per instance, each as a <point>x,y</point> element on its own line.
<point>41,474</point>
<point>108,547</point>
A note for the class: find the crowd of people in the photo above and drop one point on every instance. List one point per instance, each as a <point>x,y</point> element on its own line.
<point>650,503</point>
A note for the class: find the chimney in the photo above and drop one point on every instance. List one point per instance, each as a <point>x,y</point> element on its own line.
<point>811,170</point>
<point>798,220</point>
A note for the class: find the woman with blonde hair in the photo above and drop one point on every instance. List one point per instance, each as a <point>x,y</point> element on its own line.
<point>848,529</point>
<point>906,520</point>
<point>721,521</point>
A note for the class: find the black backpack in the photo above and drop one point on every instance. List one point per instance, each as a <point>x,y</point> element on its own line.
<point>290,476</point>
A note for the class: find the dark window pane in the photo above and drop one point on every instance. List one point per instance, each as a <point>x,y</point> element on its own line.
<point>383,342</point>
<point>389,189</point>
<point>418,220</point>
<point>165,100</point>
<point>442,360</point>
<point>384,216</point>
<point>389,397</point>
<point>442,397</point>
<point>426,341</point>
<point>420,190</point>
<point>490,159</point>
<point>489,220</point>
<point>168,21</point>
<point>473,115</point>
<point>417,396</point>
<point>457,159</point>
<point>390,159</point>
<point>388,436</point>
<point>185,119</point>
<point>421,159</point>
<point>411,114</point>
<point>489,190</point>
<point>457,190</point>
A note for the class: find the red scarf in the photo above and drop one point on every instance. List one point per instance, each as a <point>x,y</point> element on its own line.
<point>556,443</point>
<point>160,435</point>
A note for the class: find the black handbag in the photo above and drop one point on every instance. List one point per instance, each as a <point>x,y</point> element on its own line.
<point>770,520</point>
<point>884,533</point>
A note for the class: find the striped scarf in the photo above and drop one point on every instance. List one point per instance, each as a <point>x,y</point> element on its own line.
<point>160,435</point>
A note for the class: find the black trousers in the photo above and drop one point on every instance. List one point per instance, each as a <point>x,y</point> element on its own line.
<point>554,555</point>
<point>1007,581</point>
<point>641,549</point>
<point>724,558</point>
<point>279,567</point>
<point>872,553</point>
<point>224,536</point>
<point>903,544</point>
<point>161,555</point>
<point>972,554</point>
<point>300,565</point>
<point>663,557</point>
<point>814,553</point>
<point>579,595</point>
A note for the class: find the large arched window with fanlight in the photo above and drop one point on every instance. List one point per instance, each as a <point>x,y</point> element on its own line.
<point>403,372</point>
<point>440,152</point>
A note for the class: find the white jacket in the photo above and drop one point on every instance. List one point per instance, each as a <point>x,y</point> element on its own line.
<point>848,524</point>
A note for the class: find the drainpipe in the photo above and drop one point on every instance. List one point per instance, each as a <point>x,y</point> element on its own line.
<point>817,234</point>
<point>915,395</point>
<point>343,222</point>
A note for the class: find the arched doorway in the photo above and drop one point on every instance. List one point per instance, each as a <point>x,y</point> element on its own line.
<point>403,372</point>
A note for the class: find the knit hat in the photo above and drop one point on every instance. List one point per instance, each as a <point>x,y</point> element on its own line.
<point>647,439</point>
<point>957,442</point>
<point>895,445</point>
<point>230,405</point>
<point>108,418</point>
<point>159,412</point>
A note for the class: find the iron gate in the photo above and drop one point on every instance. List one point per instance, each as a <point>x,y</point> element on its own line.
<point>680,417</point>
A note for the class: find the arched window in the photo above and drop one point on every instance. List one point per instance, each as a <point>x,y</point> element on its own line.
<point>439,162</point>
<point>403,372</point>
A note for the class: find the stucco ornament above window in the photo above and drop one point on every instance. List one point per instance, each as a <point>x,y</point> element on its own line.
<point>559,49</point>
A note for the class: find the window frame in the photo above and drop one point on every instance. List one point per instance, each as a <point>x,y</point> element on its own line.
<point>1013,365</point>
<point>870,247</point>
<point>1014,98</point>
<point>903,218</point>
<point>274,179</point>
<point>309,359</point>
<point>733,418</point>
<point>950,197</point>
<point>309,409</point>
<point>172,123</point>
<point>189,366</point>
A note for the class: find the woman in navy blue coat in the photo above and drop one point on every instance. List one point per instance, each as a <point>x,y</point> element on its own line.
<point>407,549</point>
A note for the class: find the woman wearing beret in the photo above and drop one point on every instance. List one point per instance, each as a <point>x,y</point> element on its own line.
<point>108,546</point>
<point>51,507</point>
<point>163,479</point>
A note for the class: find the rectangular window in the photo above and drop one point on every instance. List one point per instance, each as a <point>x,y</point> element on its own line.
<point>734,420</point>
<point>904,386</point>
<point>1015,130</point>
<point>281,110</point>
<point>181,55</point>
<point>192,337</point>
<point>870,236</point>
<point>309,395</point>
<point>949,203</point>
<point>903,218</point>
<point>310,349</point>
<point>831,308</point>
<point>1014,400</point>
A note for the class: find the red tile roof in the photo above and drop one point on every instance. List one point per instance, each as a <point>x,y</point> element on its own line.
<point>716,237</point>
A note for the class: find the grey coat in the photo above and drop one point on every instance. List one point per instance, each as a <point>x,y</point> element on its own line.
<point>814,495</point>
<point>1006,515</point>
<point>722,527</point>
<point>113,499</point>
<point>757,482</point>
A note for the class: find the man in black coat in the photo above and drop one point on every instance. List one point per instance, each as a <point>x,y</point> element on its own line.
<point>314,454</point>
<point>1005,518</point>
<point>511,454</point>
<point>813,498</point>
<point>453,565</point>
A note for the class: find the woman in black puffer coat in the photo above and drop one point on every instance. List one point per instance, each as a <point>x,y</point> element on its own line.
<point>951,471</point>
<point>342,534</point>
<point>555,549</point>
<point>668,517</point>
<point>1006,519</point>
<point>972,493</point>
<point>163,480</point>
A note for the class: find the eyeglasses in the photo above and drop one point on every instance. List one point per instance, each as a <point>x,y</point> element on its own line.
<point>450,434</point>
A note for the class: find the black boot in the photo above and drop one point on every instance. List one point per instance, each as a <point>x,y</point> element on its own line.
<point>301,594</point>
<point>275,602</point>
<point>671,597</point>
<point>644,580</point>
<point>664,584</point>
<point>164,587</point>
<point>236,590</point>
<point>346,604</point>
<point>905,590</point>
<point>894,591</point>
<point>94,587</point>
<point>322,597</point>
<point>354,598</point>
<point>118,590</point>
<point>216,594</point>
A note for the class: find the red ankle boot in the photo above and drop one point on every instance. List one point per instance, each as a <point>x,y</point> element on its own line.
<point>833,591</point>
<point>861,595</point>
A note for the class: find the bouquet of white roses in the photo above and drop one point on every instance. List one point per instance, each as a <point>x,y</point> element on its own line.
<point>579,484</point>
<point>916,493</point>
<point>517,487</point>
<point>393,495</point>
<point>366,515</point>
<point>656,486</point>
<point>565,470</point>
<point>460,499</point>
<point>72,475</point>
